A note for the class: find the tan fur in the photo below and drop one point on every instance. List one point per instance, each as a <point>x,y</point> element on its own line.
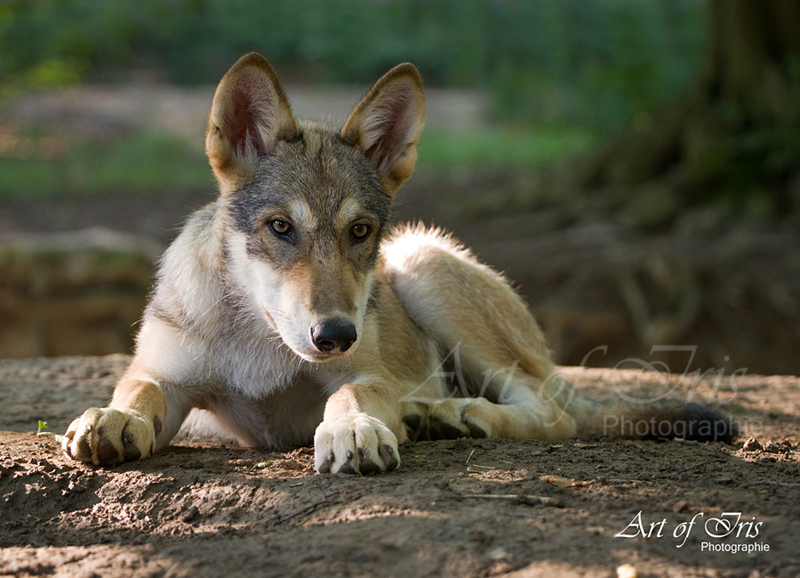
<point>251,75</point>
<point>375,111</point>
<point>272,315</point>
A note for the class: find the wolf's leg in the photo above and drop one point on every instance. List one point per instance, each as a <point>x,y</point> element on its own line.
<point>526,409</point>
<point>362,427</point>
<point>145,412</point>
<point>472,312</point>
<point>125,430</point>
<point>139,420</point>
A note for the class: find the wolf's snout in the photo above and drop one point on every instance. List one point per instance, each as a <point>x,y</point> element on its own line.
<point>334,335</point>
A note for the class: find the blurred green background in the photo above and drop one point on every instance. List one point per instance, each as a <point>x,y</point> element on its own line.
<point>633,165</point>
<point>558,75</point>
<point>593,62</point>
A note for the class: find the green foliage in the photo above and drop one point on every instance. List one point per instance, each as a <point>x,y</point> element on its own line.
<point>759,160</point>
<point>142,162</point>
<point>559,72</point>
<point>40,432</point>
<point>596,62</point>
<point>147,162</point>
<point>503,147</point>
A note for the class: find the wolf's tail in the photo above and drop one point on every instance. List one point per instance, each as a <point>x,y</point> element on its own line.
<point>660,419</point>
<point>666,418</point>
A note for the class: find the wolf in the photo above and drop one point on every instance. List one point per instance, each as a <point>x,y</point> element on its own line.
<point>290,311</point>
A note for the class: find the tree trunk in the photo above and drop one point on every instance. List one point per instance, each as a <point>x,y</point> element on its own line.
<point>736,131</point>
<point>754,44</point>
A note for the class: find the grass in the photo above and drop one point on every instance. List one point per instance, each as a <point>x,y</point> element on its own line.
<point>32,167</point>
<point>143,163</point>
<point>503,147</point>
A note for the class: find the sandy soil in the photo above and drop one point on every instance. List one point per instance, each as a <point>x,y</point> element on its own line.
<point>454,508</point>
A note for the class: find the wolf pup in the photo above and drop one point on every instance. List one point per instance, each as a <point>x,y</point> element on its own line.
<point>290,311</point>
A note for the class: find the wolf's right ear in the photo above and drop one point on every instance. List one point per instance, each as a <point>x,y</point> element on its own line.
<point>387,124</point>
<point>250,114</point>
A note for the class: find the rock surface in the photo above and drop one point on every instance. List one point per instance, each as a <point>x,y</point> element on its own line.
<point>455,508</point>
<point>74,292</point>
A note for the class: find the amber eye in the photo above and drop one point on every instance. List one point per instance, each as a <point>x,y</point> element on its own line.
<point>360,231</point>
<point>281,228</point>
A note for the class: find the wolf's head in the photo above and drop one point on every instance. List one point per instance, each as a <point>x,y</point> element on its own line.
<point>307,205</point>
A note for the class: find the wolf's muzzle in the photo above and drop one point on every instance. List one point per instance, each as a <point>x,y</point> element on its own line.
<point>334,335</point>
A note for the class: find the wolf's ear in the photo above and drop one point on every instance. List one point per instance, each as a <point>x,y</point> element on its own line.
<point>387,124</point>
<point>249,115</point>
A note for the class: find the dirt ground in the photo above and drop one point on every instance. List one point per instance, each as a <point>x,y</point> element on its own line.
<point>454,508</point>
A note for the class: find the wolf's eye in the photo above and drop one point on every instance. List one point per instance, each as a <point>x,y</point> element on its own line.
<point>281,228</point>
<point>360,232</point>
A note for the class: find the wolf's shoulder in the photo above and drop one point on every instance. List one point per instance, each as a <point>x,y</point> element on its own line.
<point>199,241</point>
<point>190,277</point>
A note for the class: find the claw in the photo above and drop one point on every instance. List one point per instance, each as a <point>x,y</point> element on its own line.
<point>106,436</point>
<point>131,451</point>
<point>84,451</point>
<point>387,455</point>
<point>359,440</point>
<point>369,468</point>
<point>106,452</point>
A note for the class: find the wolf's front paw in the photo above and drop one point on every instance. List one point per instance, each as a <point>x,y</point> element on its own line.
<point>355,444</point>
<point>109,436</point>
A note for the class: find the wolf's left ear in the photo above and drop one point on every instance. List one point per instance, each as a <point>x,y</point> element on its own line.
<point>387,124</point>
<point>250,114</point>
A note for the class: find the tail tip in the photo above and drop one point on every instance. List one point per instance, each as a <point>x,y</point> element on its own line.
<point>705,425</point>
<point>671,419</point>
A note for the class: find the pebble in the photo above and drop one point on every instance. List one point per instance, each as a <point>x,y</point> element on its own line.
<point>680,506</point>
<point>751,445</point>
<point>553,502</point>
<point>191,514</point>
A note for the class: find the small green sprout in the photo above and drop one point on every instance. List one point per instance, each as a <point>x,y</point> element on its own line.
<point>43,426</point>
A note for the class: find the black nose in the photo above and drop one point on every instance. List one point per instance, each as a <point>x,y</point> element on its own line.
<point>333,335</point>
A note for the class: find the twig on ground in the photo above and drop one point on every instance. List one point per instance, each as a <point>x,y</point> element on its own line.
<point>57,437</point>
<point>469,456</point>
<point>521,498</point>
